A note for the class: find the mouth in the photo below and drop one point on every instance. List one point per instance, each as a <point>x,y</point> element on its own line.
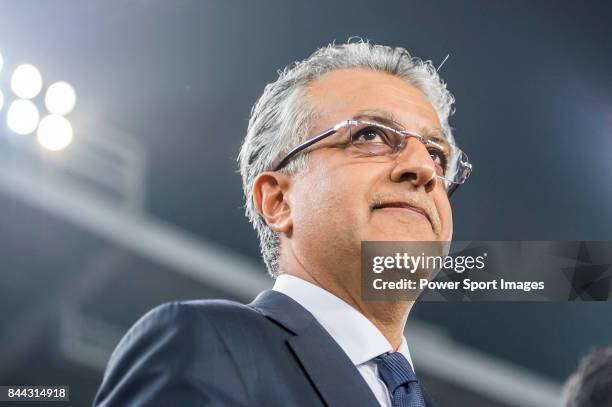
<point>402,207</point>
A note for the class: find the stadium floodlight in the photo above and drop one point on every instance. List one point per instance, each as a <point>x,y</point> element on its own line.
<point>22,116</point>
<point>54,132</point>
<point>60,98</point>
<point>26,81</point>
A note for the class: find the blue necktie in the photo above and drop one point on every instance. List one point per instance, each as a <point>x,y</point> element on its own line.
<point>403,386</point>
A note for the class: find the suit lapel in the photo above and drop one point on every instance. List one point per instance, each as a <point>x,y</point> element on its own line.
<point>331,371</point>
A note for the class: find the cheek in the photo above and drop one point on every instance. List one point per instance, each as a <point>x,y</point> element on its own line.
<point>327,203</point>
<point>446,218</point>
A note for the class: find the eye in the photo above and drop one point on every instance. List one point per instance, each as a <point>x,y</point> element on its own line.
<point>369,135</point>
<point>439,158</point>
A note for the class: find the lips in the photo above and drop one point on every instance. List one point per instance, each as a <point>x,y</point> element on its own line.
<point>403,205</point>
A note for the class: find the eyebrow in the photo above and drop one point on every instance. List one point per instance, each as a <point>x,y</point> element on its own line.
<point>382,116</point>
<point>388,118</point>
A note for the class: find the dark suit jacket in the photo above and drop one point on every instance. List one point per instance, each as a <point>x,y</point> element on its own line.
<point>271,352</point>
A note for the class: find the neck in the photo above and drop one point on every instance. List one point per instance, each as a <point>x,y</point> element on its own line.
<point>388,316</point>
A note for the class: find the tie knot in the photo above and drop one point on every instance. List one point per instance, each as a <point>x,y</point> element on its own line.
<point>395,370</point>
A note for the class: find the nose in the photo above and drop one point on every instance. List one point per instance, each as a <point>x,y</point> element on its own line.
<point>414,164</point>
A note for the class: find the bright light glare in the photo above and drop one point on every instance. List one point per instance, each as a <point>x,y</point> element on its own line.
<point>60,98</point>
<point>1,99</point>
<point>22,116</point>
<point>26,81</point>
<point>54,132</point>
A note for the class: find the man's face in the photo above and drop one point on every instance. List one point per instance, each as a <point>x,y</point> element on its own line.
<point>346,196</point>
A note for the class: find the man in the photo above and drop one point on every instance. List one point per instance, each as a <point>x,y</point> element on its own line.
<point>591,384</point>
<point>352,144</point>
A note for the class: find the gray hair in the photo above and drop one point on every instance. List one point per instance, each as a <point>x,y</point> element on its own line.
<point>281,118</point>
<point>591,384</point>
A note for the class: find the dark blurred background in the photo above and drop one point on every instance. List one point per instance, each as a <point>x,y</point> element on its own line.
<point>145,205</point>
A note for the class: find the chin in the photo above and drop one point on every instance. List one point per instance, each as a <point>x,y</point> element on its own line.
<point>402,236</point>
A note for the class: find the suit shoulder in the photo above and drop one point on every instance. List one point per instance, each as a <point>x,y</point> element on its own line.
<point>191,308</point>
<point>175,338</point>
<point>226,317</point>
<point>181,315</point>
<point>211,307</point>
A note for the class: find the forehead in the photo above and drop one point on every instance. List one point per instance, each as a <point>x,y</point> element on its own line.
<point>341,94</point>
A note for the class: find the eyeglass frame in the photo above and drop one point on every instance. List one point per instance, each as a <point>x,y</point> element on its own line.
<point>350,122</point>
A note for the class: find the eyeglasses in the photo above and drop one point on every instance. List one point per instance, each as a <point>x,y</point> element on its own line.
<point>451,164</point>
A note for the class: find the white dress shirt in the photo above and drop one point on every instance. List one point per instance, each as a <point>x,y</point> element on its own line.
<point>357,336</point>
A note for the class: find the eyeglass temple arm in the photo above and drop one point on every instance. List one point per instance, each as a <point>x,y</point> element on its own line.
<point>310,142</point>
<point>452,189</point>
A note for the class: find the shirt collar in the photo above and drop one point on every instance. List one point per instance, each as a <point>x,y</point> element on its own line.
<point>357,336</point>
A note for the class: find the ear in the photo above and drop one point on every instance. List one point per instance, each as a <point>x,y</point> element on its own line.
<point>270,200</point>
